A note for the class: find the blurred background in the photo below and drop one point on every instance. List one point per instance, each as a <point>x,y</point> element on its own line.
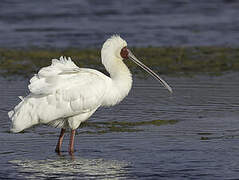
<point>87,23</point>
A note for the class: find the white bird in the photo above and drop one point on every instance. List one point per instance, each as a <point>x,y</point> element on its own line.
<point>63,95</point>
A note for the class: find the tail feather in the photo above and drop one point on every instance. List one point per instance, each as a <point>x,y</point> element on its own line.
<point>23,115</point>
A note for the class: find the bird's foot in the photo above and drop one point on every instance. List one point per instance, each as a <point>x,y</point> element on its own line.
<point>58,148</point>
<point>71,152</point>
<point>58,152</point>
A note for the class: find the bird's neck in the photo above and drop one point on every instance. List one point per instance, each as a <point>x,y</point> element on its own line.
<point>121,81</point>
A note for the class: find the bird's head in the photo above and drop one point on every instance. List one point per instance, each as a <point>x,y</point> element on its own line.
<point>116,48</point>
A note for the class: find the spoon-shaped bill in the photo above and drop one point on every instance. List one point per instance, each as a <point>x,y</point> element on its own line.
<point>147,69</point>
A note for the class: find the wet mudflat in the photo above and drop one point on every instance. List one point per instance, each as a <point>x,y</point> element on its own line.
<point>192,134</point>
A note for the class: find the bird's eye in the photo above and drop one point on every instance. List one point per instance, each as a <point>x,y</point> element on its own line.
<point>124,53</point>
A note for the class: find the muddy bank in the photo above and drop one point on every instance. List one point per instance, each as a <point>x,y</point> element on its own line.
<point>164,60</point>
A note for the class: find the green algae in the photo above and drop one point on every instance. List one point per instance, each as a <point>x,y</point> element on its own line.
<point>225,137</point>
<point>164,60</point>
<point>121,126</point>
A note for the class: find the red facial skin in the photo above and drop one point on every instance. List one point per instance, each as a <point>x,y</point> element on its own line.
<point>124,53</point>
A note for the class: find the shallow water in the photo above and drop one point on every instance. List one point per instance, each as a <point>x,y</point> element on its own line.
<point>201,142</point>
<point>87,23</point>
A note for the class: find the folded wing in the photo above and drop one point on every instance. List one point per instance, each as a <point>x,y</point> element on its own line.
<point>69,87</point>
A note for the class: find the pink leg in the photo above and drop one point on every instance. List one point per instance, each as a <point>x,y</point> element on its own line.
<point>71,145</point>
<point>58,146</point>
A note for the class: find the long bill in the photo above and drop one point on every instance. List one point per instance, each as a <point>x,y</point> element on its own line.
<point>147,69</point>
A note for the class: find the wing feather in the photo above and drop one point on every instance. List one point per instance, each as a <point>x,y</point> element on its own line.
<point>68,89</point>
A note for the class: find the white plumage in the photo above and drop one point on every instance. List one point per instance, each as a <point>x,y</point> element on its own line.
<point>64,95</point>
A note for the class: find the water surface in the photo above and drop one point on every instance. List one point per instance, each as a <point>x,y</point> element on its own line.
<point>201,143</point>
<point>87,23</point>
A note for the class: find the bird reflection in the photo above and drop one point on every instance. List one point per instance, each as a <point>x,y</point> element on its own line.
<point>65,168</point>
